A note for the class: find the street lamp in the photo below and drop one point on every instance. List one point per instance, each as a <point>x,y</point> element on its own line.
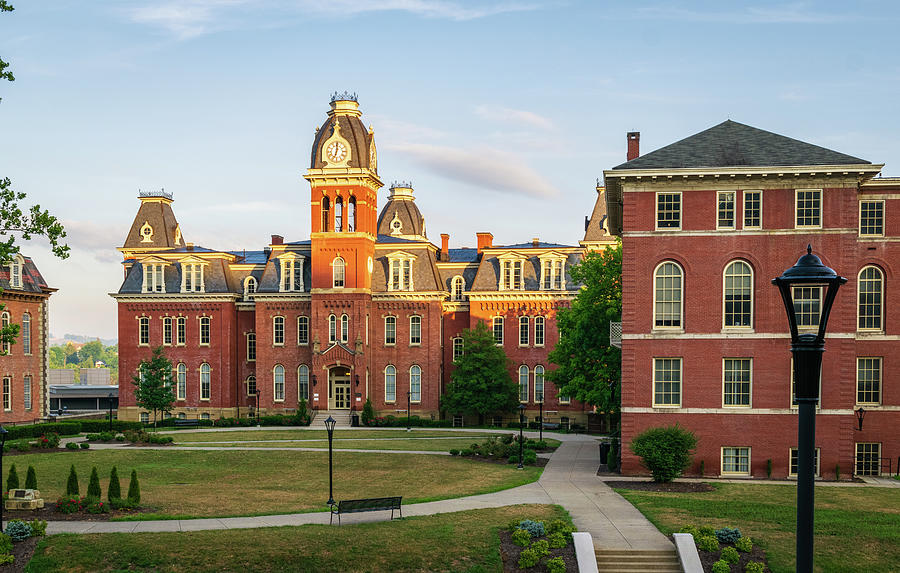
<point>408,394</point>
<point>329,425</point>
<point>110,399</point>
<point>257,406</point>
<point>801,288</point>
<point>521,439</point>
<point>541,419</point>
<point>3,433</point>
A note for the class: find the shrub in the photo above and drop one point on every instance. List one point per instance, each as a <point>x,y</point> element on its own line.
<point>157,439</point>
<point>708,543</point>
<point>541,445</point>
<point>71,446</point>
<point>521,537</point>
<point>702,467</point>
<point>559,526</point>
<point>368,413</point>
<point>692,529</point>
<point>120,438</point>
<point>31,478</point>
<point>467,452</point>
<point>612,460</point>
<point>665,451</point>
<point>721,567</point>
<point>18,530</point>
<point>12,481</point>
<point>528,558</point>
<point>48,441</point>
<point>124,504</point>
<point>530,457</point>
<point>706,530</point>
<point>556,565</point>
<point>754,567</point>
<point>5,543</point>
<point>93,491</point>
<point>744,544</point>
<point>68,504</point>
<point>542,547</point>
<point>513,459</point>
<point>84,445</point>
<point>507,438</point>
<point>72,483</point>
<point>730,554</point>
<point>728,534</point>
<point>93,505</point>
<point>557,540</point>
<point>38,430</point>
<point>114,489</point>
<point>6,558</point>
<point>38,527</point>
<point>535,528</point>
<point>454,452</point>
<point>23,445</point>
<point>107,436</point>
<point>134,489</point>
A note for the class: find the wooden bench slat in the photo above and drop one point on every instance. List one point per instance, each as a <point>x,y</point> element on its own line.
<point>368,504</point>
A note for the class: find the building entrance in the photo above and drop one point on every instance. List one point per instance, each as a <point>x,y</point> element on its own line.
<point>340,385</point>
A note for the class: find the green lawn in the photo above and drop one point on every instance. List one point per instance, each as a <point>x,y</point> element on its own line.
<point>321,435</point>
<point>856,529</point>
<point>231,483</point>
<point>464,541</point>
<point>404,443</point>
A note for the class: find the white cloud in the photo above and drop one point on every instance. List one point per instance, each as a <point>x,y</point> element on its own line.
<point>98,241</point>
<point>441,9</point>
<point>485,168</point>
<point>794,13</point>
<point>185,18</point>
<point>509,115</point>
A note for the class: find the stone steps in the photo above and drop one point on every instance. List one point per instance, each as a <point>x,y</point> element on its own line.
<point>636,561</point>
<point>341,417</point>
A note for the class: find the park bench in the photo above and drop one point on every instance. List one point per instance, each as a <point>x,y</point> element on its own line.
<point>551,426</point>
<point>361,505</point>
<point>185,423</point>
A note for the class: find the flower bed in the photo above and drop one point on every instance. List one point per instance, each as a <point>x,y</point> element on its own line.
<point>725,550</point>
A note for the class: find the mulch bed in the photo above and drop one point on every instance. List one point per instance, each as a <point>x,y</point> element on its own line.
<point>49,513</point>
<point>674,487</point>
<point>509,551</point>
<point>707,558</point>
<point>22,551</point>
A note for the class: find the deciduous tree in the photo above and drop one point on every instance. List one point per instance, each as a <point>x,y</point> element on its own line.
<point>153,384</point>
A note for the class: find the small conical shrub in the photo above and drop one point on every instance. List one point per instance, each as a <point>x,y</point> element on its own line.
<point>31,478</point>
<point>12,482</point>
<point>134,489</point>
<point>93,491</point>
<point>72,484</point>
<point>114,491</point>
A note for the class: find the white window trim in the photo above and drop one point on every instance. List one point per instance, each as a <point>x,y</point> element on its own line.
<point>453,347</point>
<point>188,266</point>
<point>251,336</point>
<point>737,406</point>
<point>502,330</point>
<point>275,330</point>
<point>734,210</point>
<point>508,263</point>
<point>5,320</point>
<point>405,282</point>
<point>458,280</point>
<point>749,461</point>
<point>856,454</point>
<point>300,319</point>
<point>208,398</point>
<point>141,320</point>
<point>180,341</point>
<point>880,381</point>
<point>411,343</point>
<point>543,372</point>
<point>554,265</point>
<point>527,342</point>
<point>680,360</point>
<point>680,211</point>
<point>308,380</point>
<point>543,322</point>
<point>6,397</point>
<point>338,263</point>
<point>26,332</point>
<point>153,269</point>
<point>419,401</point>
<point>744,224</point>
<point>797,213</point>
<point>28,392</point>
<point>527,383</point>
<point>385,373</point>
<point>16,268</point>
<point>724,274</point>
<point>275,383</point>
<point>883,217</point>
<point>818,462</point>
<point>247,282</point>
<point>680,327</point>
<point>345,329</point>
<point>171,322</point>
<point>386,318</point>
<point>290,263</point>
<point>881,293</point>
<point>200,330</point>
<point>180,369</point>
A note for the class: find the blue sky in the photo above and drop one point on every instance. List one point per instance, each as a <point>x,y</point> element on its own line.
<point>502,113</point>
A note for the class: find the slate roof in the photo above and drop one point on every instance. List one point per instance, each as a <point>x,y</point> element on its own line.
<point>411,220</point>
<point>733,144</point>
<point>390,239</point>
<point>488,277</point>
<point>32,281</point>
<point>538,246</point>
<point>252,257</point>
<point>463,255</point>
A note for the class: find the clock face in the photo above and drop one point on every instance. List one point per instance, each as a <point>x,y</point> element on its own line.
<point>336,152</point>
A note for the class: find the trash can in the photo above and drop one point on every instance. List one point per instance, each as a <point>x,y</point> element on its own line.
<point>604,451</point>
<point>354,420</point>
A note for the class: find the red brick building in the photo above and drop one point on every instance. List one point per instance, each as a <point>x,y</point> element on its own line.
<point>24,364</point>
<point>367,308</point>
<point>706,223</point>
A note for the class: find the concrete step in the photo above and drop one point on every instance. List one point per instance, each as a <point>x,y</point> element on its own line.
<point>341,418</point>
<point>636,561</point>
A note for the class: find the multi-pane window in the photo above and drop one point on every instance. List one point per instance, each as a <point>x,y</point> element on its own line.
<point>249,286</point>
<point>415,330</point>
<point>725,209</point>
<point>181,330</point>
<point>153,280</point>
<point>302,330</point>
<point>871,286</point>
<point>291,274</point>
<point>167,330</point>
<point>523,383</point>
<point>26,333</point>
<point>552,274</point>
<point>511,275</point>
<point>278,380</point>
<point>809,208</point>
<point>871,218</point>
<point>251,346</point>
<point>523,331</point>
<point>457,348</point>
<point>497,329</point>
<point>4,322</point>
<point>667,296</point>
<point>204,330</point>
<point>390,330</point>
<point>7,393</point>
<point>795,464</point>
<point>457,285</point>
<point>807,306</point>
<point>251,385</point>
<point>15,272</point>
<point>736,376</point>
<point>180,381</point>
<point>415,384</point>
<point>400,273</point>
<point>736,460</point>
<point>204,381</point>
<point>868,380</point>
<point>868,458</point>
<point>303,382</point>
<point>144,330</point>
<point>666,382</point>
<point>752,209</point>
<point>332,328</point>
<point>668,210</point>
<point>278,331</point>
<point>538,383</point>
<point>390,384</point>
<point>345,328</point>
<point>738,295</point>
<point>26,392</point>
<point>539,331</point>
<point>562,398</point>
<point>338,269</point>
<point>192,277</point>
<point>145,417</point>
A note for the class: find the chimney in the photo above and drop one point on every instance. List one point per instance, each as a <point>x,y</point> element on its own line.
<point>634,145</point>
<point>277,240</point>
<point>535,242</point>
<point>485,240</point>
<point>445,252</point>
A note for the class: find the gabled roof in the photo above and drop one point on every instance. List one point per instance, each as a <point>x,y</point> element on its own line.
<point>535,246</point>
<point>733,144</point>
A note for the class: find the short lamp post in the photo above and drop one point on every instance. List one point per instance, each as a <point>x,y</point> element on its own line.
<point>408,398</point>
<point>808,290</point>
<point>3,433</point>
<point>329,425</point>
<point>541,419</point>
<point>521,466</point>
<point>110,399</point>
<point>257,406</point>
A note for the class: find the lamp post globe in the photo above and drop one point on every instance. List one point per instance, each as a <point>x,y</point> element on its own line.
<point>329,426</point>
<point>521,466</point>
<point>808,290</point>
<point>3,433</point>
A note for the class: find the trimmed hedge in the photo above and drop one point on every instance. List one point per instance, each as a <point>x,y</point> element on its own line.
<point>38,430</point>
<point>103,425</point>
<point>392,421</point>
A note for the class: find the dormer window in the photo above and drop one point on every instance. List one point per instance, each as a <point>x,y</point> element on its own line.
<point>457,286</point>
<point>512,275</point>
<point>154,277</point>
<point>192,276</point>
<point>400,266</point>
<point>249,286</point>
<point>291,273</point>
<point>337,272</point>
<point>15,272</point>
<point>552,272</point>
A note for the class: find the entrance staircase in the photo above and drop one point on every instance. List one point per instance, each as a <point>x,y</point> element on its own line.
<point>341,417</point>
<point>635,561</point>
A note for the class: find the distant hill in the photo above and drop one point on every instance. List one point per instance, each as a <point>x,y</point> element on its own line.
<point>80,339</point>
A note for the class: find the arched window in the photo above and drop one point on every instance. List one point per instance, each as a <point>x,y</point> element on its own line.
<point>182,416</point>
<point>167,331</point>
<point>871,289</point>
<point>497,329</point>
<point>738,295</point>
<point>144,330</point>
<point>26,333</point>
<point>539,331</point>
<point>523,331</point>
<point>278,391</point>
<point>339,214</point>
<point>204,381</point>
<point>303,382</point>
<point>415,384</point>
<point>251,385</point>
<point>390,330</point>
<point>415,330</point>
<point>303,330</point>
<point>251,346</point>
<point>337,272</point>
<point>181,381</point>
<point>4,322</point>
<point>326,213</point>
<point>539,384</point>
<point>390,384</point>
<point>15,271</point>
<point>458,348</point>
<point>351,214</point>
<point>667,296</point>
<point>332,328</point>
<point>249,286</point>
<point>181,330</point>
<point>345,328</point>
<point>457,285</point>
<point>523,383</point>
<point>204,330</point>
<point>278,331</point>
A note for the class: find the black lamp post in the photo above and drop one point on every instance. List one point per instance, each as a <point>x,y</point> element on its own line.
<point>860,414</point>
<point>521,438</point>
<point>541,419</point>
<point>329,425</point>
<point>808,290</point>
<point>408,394</point>
<point>3,433</point>
<point>257,406</point>
<point>110,399</point>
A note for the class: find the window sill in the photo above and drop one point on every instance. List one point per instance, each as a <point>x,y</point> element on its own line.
<point>415,344</point>
<point>666,406</point>
<point>204,344</point>
<point>204,399</point>
<point>737,406</point>
<point>390,344</point>
<point>738,330</point>
<point>664,330</point>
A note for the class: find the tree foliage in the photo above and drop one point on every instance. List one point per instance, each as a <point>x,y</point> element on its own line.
<point>588,368</point>
<point>153,384</point>
<point>665,451</point>
<point>480,382</point>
